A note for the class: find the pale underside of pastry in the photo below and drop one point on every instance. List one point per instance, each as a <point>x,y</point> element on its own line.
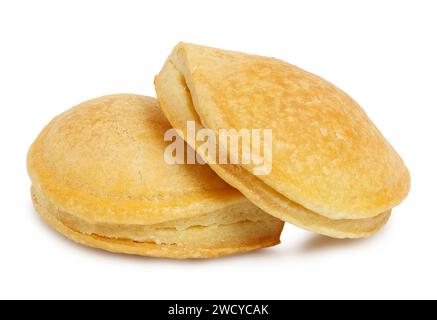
<point>208,236</point>
<point>99,178</point>
<point>332,171</point>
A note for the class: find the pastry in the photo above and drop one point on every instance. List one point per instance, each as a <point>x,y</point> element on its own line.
<point>332,171</point>
<point>99,178</point>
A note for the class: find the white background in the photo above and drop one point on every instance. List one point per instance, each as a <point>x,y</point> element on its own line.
<point>55,54</point>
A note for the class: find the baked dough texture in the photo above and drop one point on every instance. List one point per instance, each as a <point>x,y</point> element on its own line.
<point>332,170</point>
<point>99,177</point>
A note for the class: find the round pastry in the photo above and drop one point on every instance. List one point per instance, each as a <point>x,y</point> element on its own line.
<point>332,171</point>
<point>99,177</point>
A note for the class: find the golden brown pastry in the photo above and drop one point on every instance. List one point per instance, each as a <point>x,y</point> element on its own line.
<point>99,177</point>
<point>332,171</point>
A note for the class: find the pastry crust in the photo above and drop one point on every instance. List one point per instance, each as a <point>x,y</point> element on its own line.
<point>152,248</point>
<point>332,170</point>
<point>99,177</point>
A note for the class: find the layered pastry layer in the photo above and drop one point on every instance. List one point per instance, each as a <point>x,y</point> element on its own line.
<point>332,171</point>
<point>99,177</point>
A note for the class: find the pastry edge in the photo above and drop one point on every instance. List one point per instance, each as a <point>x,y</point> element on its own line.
<point>145,249</point>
